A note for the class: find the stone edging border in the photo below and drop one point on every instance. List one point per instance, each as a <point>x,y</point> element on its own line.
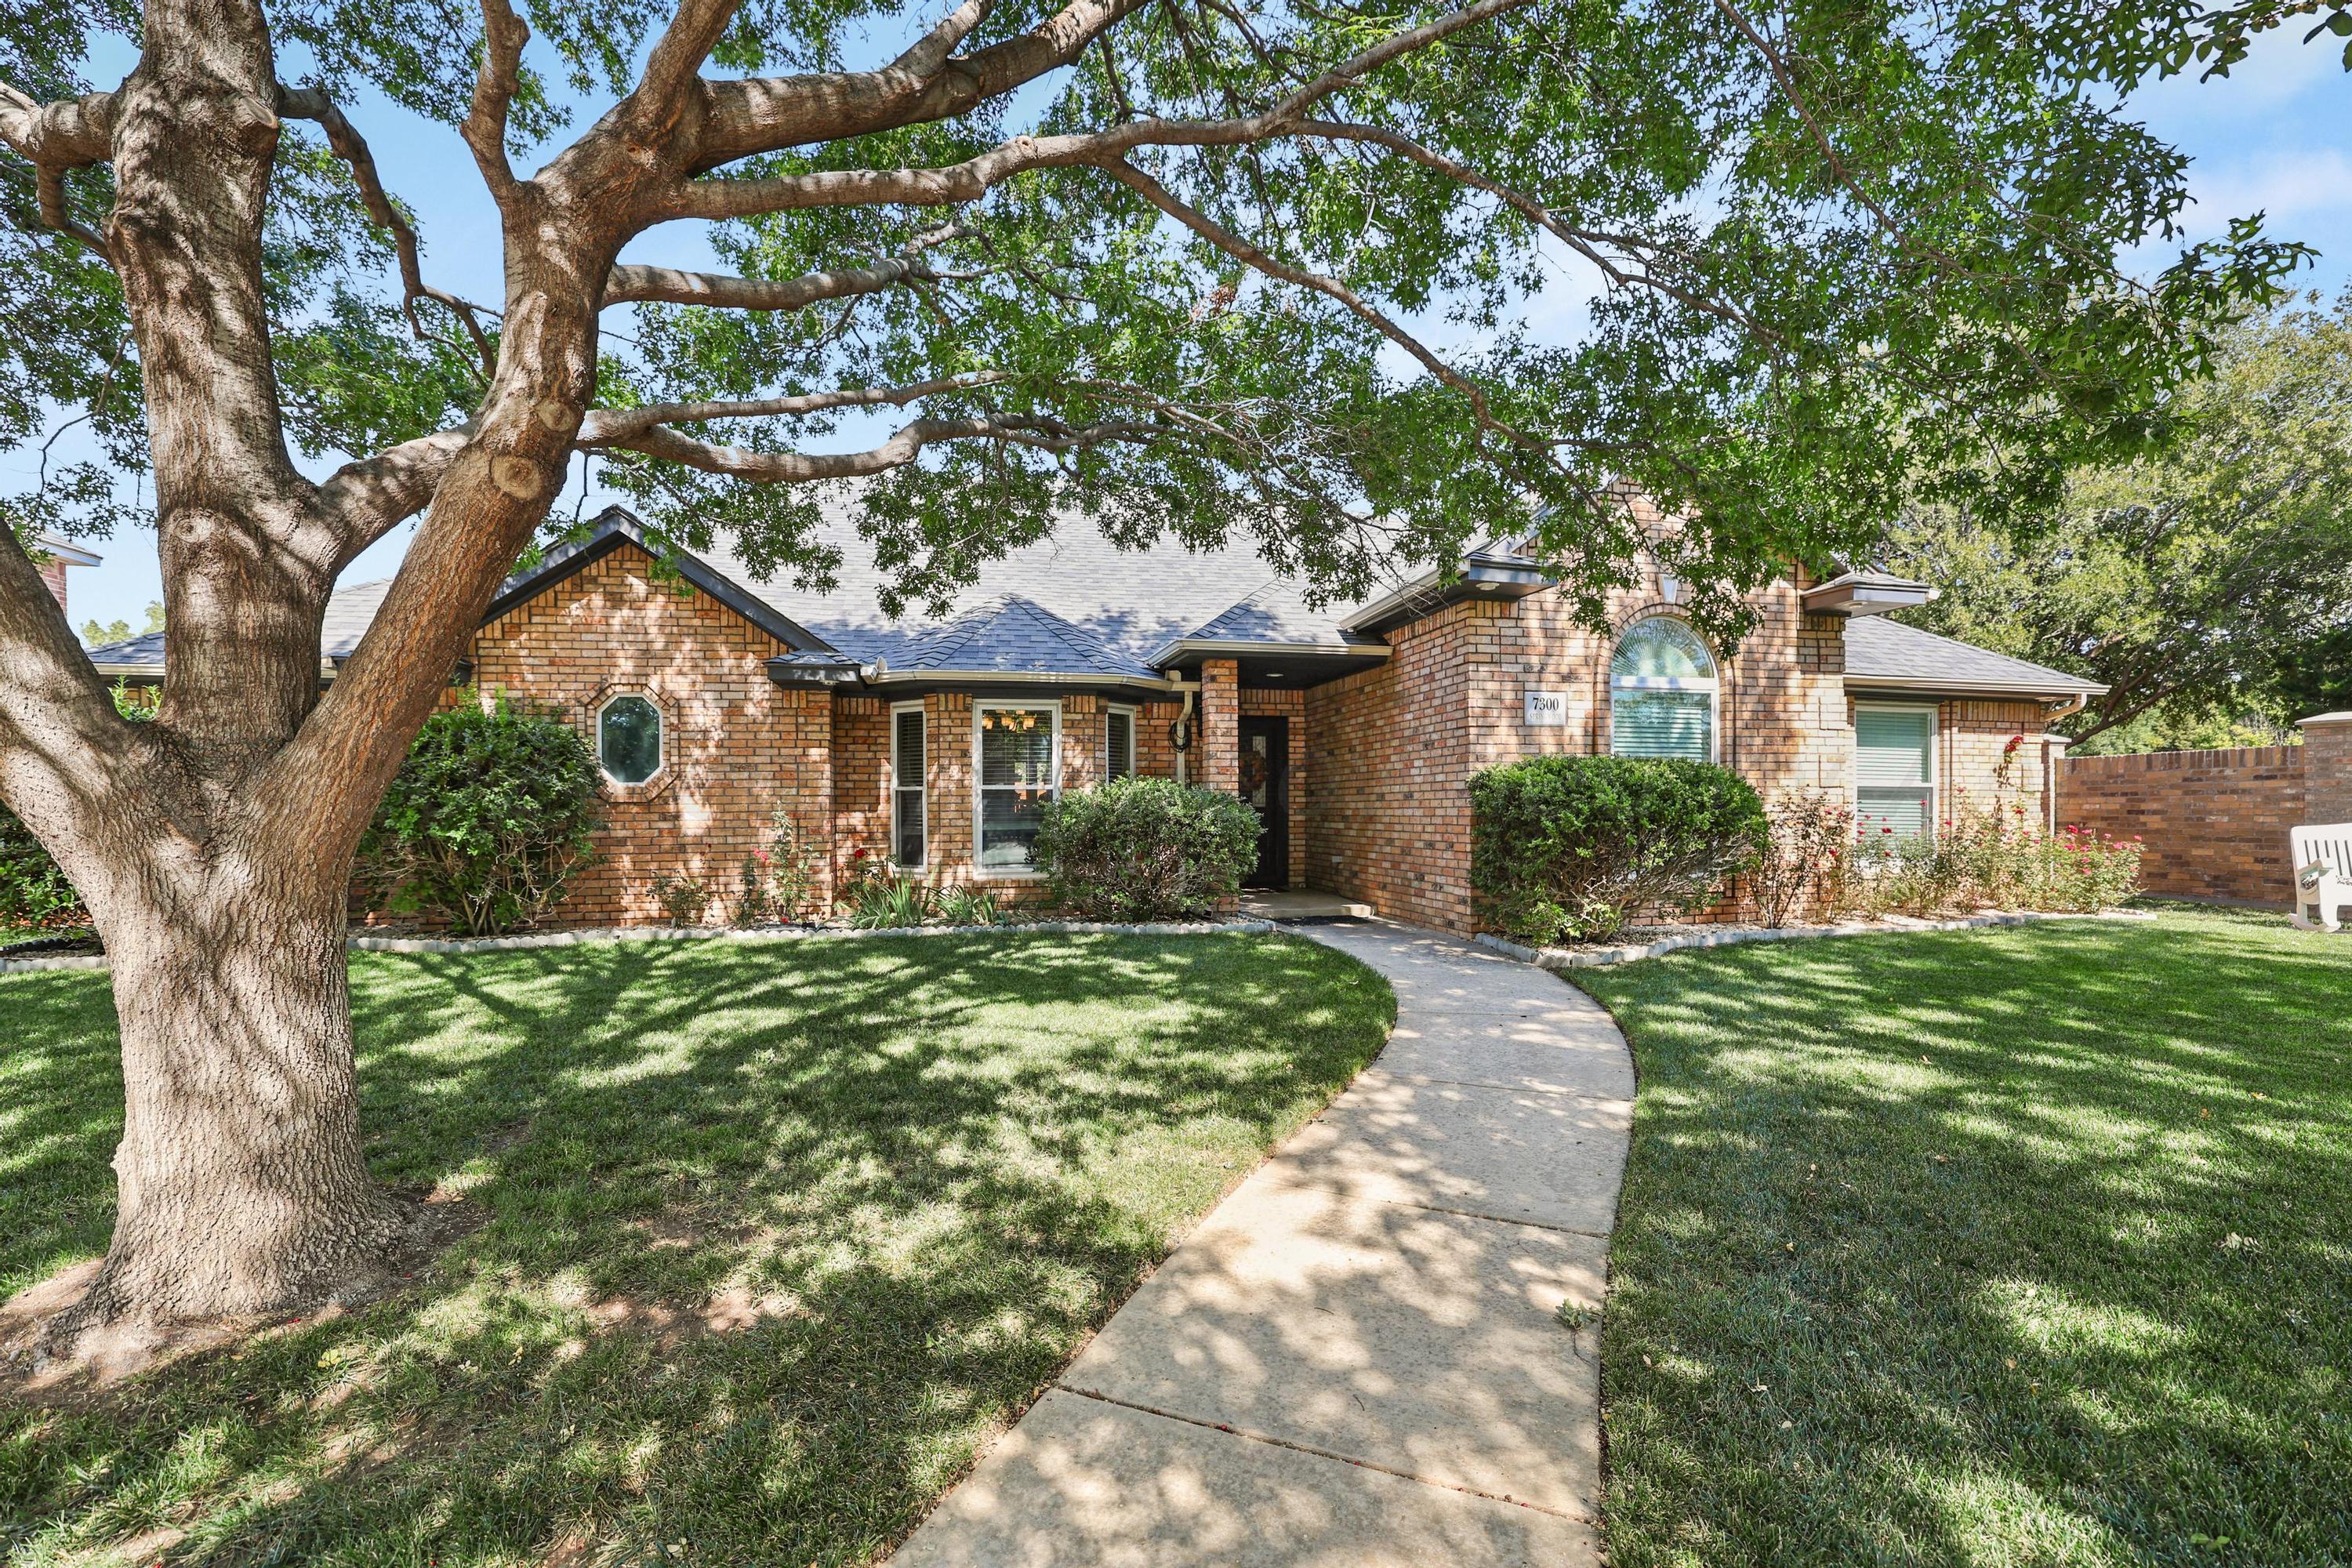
<point>1558,958</point>
<point>717,934</point>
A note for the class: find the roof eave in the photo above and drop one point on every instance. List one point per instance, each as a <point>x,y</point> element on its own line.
<point>1180,648</point>
<point>1482,578</point>
<point>943,677</point>
<point>1950,686</point>
<point>1856,593</point>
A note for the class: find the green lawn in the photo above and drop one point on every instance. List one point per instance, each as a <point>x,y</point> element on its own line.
<point>2020,1246</point>
<point>775,1236</point>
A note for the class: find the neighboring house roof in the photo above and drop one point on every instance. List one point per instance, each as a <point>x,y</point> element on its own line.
<point>1888,656</point>
<point>1077,608</point>
<point>72,554</point>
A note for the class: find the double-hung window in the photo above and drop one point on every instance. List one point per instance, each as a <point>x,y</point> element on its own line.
<point>1017,754</point>
<point>909,804</point>
<point>1118,749</point>
<point>1894,769</point>
<point>1661,692</point>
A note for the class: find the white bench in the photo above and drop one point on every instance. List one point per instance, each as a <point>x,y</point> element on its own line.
<point>2322,866</point>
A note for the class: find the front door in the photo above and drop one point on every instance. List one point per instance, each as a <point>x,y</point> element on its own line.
<point>1265,785</point>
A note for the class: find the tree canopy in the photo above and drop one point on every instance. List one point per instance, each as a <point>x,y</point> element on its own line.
<point>1206,268</point>
<point>2209,585</point>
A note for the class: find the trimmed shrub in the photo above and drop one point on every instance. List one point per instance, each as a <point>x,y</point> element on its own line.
<point>489,819</point>
<point>1569,848</point>
<point>1146,849</point>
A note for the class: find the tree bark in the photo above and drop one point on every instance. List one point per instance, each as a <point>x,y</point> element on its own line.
<point>241,1182</point>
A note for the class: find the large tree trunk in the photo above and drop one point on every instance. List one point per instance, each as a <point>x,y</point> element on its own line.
<point>240,1182</point>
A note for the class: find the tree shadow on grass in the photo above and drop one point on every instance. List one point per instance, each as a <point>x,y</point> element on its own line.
<point>772,1237</point>
<point>1995,1246</point>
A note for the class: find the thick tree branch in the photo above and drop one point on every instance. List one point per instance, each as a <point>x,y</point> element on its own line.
<point>55,137</point>
<point>925,83</point>
<point>363,501</point>
<point>57,718</point>
<point>632,283</point>
<point>504,33</point>
<point>312,103</point>
<point>798,467</point>
<point>615,426</point>
<point>971,180</point>
<point>671,69</point>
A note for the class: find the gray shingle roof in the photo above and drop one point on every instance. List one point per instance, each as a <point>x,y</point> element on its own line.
<point>1077,603</point>
<point>1013,635</point>
<point>1878,647</point>
<point>1276,612</point>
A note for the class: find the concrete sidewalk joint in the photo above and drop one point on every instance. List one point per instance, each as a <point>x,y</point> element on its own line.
<point>1358,1357</point>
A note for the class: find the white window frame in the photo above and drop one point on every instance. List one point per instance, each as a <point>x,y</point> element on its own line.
<point>1134,719</point>
<point>1935,784</point>
<point>980,791</point>
<point>661,738</point>
<point>922,787</point>
<point>1712,684</point>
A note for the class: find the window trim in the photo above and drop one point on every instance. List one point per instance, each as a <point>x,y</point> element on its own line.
<point>1711,684</point>
<point>1134,716</point>
<point>1935,781</point>
<point>980,708</point>
<point>921,786</point>
<point>661,738</point>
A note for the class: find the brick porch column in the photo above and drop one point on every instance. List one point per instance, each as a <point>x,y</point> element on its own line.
<point>1220,746</point>
<point>2328,767</point>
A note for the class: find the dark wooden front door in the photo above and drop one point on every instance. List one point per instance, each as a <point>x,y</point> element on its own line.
<point>1265,785</point>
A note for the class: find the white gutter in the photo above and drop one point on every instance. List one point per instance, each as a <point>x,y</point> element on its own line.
<point>1182,646</point>
<point>2083,690</point>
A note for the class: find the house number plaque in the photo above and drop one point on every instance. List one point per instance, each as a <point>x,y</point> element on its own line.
<point>1548,710</point>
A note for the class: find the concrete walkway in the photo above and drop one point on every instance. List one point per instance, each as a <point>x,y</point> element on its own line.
<point>1354,1361</point>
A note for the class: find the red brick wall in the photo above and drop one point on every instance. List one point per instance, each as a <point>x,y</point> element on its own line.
<point>53,573</point>
<point>735,746</point>
<point>1386,803</point>
<point>2328,767</point>
<point>2215,822</point>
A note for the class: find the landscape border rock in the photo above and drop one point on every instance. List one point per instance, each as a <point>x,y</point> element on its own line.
<point>1558,958</point>
<point>531,940</point>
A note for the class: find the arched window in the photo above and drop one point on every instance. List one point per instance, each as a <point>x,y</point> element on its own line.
<point>629,738</point>
<point>1662,690</point>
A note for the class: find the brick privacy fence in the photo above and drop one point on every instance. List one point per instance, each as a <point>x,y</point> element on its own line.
<point>2216,823</point>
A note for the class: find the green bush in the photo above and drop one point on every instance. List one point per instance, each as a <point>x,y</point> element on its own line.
<point>489,819</point>
<point>879,896</point>
<point>1145,849</point>
<point>1569,848</point>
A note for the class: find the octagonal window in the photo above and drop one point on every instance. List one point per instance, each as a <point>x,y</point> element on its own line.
<point>629,740</point>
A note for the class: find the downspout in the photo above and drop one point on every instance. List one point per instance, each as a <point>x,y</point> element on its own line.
<point>2053,750</point>
<point>1185,719</point>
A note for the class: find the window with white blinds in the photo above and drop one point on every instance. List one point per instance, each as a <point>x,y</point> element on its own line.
<point>1118,758</point>
<point>1661,692</point>
<point>1895,770</point>
<point>910,805</point>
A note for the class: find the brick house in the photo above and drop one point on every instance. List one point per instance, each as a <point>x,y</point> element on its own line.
<point>714,700</point>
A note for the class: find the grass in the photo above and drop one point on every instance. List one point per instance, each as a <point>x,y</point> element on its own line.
<point>2027,1246</point>
<point>774,1237</point>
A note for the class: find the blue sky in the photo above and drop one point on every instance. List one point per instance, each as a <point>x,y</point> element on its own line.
<point>2275,136</point>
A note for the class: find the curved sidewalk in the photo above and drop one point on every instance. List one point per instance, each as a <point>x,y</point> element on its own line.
<point>1355,1359</point>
